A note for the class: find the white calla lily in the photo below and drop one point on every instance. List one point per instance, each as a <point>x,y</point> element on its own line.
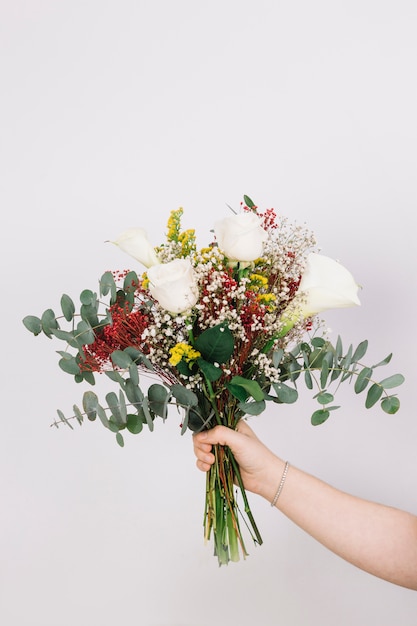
<point>135,242</point>
<point>325,284</point>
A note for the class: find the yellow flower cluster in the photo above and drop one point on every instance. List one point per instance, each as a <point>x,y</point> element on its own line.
<point>145,280</point>
<point>174,224</point>
<point>183,351</point>
<point>186,239</point>
<point>268,299</point>
<point>257,282</point>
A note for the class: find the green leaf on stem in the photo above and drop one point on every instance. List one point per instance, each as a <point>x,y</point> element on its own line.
<point>69,364</point>
<point>249,203</point>
<point>373,395</point>
<point>67,307</point>
<point>216,344</point>
<point>319,416</point>
<point>90,404</point>
<point>158,397</point>
<point>286,394</point>
<point>251,387</point>
<point>33,324</point>
<point>210,371</point>
<point>134,423</point>
<point>360,351</point>
<point>87,297</point>
<point>107,284</point>
<point>392,381</point>
<point>363,379</point>
<point>49,322</point>
<point>252,408</point>
<point>390,405</point>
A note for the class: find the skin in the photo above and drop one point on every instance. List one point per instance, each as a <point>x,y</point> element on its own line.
<point>378,539</point>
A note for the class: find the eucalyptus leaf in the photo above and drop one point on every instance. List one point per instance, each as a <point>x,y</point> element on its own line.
<point>90,404</point>
<point>158,397</point>
<point>107,284</point>
<point>49,322</point>
<point>114,406</point>
<point>120,440</point>
<point>147,413</point>
<point>363,379</point>
<point>69,365</point>
<point>384,361</point>
<point>64,419</point>
<point>373,395</point>
<point>390,405</point>
<point>133,392</point>
<point>87,297</point>
<point>360,351</point>
<point>286,394</point>
<point>115,376</point>
<point>33,324</point>
<point>103,416</point>
<point>85,333</point>
<point>324,397</point>
<point>121,359</point>
<point>319,416</point>
<point>252,408</point>
<point>131,281</point>
<point>392,381</point>
<point>79,416</point>
<point>185,397</point>
<point>67,307</point>
<point>134,423</point>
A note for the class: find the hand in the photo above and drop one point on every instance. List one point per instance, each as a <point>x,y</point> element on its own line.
<point>260,469</point>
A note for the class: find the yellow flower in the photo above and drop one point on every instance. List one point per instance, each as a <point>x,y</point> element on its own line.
<point>257,282</point>
<point>187,241</point>
<point>183,351</point>
<point>174,224</point>
<point>268,299</point>
<point>145,280</point>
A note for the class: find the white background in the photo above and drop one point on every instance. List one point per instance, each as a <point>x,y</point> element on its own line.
<point>113,114</point>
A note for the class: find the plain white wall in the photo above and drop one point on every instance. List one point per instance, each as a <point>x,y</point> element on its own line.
<point>112,114</point>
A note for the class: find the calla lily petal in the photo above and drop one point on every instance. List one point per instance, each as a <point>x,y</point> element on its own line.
<point>135,242</point>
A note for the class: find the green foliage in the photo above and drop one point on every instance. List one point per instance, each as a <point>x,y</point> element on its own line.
<point>216,344</point>
<point>317,363</point>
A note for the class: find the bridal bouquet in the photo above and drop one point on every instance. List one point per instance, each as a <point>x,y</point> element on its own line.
<point>223,331</point>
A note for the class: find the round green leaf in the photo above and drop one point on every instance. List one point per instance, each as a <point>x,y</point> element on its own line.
<point>319,417</point>
<point>134,423</point>
<point>390,405</point>
<point>33,324</point>
<point>87,297</point>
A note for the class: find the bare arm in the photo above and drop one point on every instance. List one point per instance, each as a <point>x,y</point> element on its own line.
<point>376,538</point>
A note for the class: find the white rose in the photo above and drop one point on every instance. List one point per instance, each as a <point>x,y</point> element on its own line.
<point>325,284</point>
<point>134,241</point>
<point>174,285</point>
<point>241,236</point>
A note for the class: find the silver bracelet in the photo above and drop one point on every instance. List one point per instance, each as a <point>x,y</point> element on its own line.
<point>281,484</point>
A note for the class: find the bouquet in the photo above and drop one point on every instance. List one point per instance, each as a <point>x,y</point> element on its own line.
<point>222,331</point>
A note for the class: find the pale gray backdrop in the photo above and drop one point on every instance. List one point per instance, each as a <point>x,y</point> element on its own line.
<point>112,114</point>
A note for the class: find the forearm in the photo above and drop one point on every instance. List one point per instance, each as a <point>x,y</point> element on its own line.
<point>376,538</point>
